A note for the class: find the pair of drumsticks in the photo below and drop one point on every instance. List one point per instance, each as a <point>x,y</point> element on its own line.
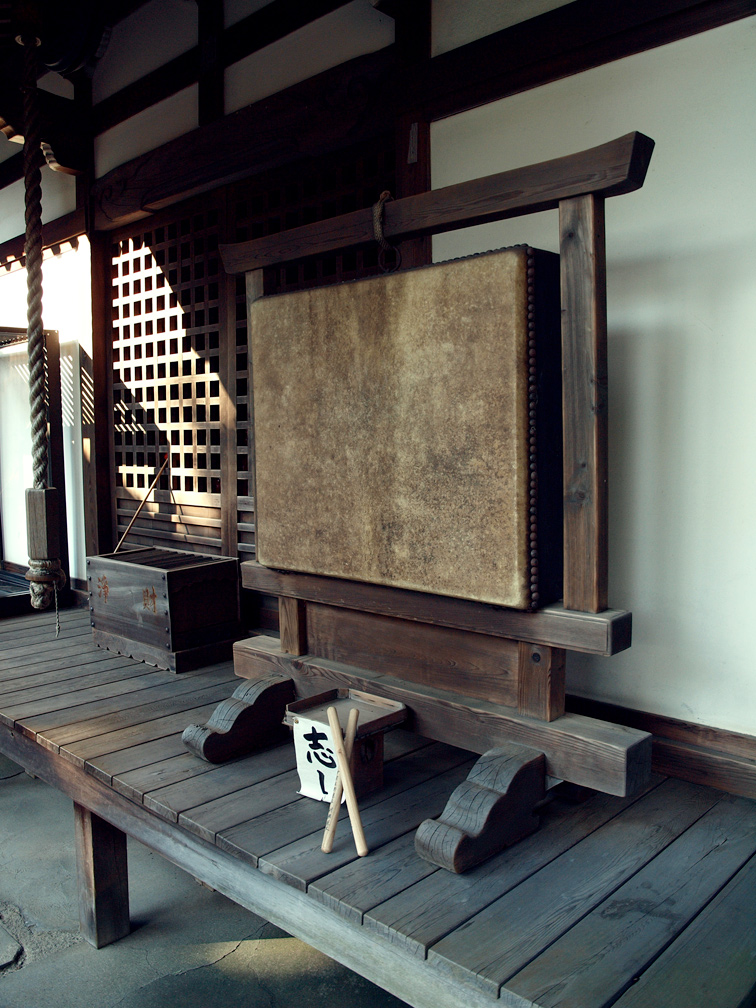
<point>344,784</point>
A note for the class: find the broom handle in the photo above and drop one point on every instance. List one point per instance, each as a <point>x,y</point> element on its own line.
<point>144,501</point>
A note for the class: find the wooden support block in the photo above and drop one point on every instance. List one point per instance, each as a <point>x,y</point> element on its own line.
<point>476,664</point>
<point>596,754</point>
<point>292,622</point>
<point>489,811</point>
<point>251,719</point>
<point>103,877</point>
<point>540,681</point>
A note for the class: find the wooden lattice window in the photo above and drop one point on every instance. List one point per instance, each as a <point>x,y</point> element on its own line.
<point>180,369</point>
<point>167,392</point>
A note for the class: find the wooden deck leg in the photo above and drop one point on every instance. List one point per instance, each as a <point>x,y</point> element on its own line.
<point>249,720</point>
<point>491,810</point>
<point>103,876</point>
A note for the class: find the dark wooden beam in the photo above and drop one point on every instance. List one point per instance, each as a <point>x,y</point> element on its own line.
<point>412,131</point>
<point>609,170</point>
<point>605,633</point>
<point>591,753</point>
<point>167,80</point>
<point>210,100</point>
<point>562,42</point>
<point>99,502</point>
<point>55,232</point>
<point>269,24</point>
<point>331,110</point>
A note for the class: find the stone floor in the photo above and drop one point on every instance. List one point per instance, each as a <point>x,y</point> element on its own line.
<point>189,946</point>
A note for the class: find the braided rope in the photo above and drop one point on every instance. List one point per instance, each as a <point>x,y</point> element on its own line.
<point>33,252</point>
<point>45,575</point>
<point>385,247</point>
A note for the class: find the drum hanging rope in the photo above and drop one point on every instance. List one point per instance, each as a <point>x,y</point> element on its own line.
<point>379,237</point>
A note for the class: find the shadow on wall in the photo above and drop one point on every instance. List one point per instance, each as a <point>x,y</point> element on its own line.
<point>682,546</point>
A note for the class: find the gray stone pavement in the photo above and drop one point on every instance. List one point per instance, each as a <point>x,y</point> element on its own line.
<point>190,947</point>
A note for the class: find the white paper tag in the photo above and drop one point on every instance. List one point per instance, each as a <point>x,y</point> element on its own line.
<point>316,758</point>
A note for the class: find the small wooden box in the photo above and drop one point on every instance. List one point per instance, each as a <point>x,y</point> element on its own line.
<point>169,608</point>
<point>377,715</point>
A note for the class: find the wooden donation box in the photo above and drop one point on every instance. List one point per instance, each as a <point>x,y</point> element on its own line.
<point>172,609</point>
<point>408,429</point>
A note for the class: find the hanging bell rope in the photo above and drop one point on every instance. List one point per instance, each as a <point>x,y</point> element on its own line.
<point>45,575</point>
<point>33,254</point>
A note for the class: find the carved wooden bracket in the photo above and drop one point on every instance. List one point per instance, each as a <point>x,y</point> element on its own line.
<point>491,810</point>
<point>251,719</point>
<point>63,131</point>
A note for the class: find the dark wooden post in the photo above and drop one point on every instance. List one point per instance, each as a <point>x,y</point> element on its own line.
<point>102,871</point>
<point>412,131</point>
<point>540,681</point>
<point>583,282</point>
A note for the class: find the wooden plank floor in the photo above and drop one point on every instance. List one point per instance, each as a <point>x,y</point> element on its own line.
<point>634,902</point>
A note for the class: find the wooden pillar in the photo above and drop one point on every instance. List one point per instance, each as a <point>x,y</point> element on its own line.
<point>583,284</point>
<point>101,510</point>
<point>210,83</point>
<point>56,465</point>
<point>103,879</point>
<point>227,324</point>
<point>412,131</point>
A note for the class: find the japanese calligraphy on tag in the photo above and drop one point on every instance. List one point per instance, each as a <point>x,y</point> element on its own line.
<point>316,759</point>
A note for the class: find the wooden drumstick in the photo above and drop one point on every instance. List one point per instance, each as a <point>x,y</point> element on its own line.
<point>338,789</point>
<point>346,781</point>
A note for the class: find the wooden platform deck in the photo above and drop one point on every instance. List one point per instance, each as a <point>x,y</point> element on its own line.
<point>641,901</point>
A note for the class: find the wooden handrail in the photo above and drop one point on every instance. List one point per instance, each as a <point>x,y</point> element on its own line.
<point>608,170</point>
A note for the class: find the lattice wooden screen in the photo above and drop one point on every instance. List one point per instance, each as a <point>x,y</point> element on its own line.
<point>180,369</point>
<point>166,380</point>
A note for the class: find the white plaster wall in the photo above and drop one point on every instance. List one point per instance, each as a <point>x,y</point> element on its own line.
<point>351,31</point>
<point>682,352</point>
<point>153,35</point>
<point>66,308</point>
<point>58,199</point>
<point>146,130</point>
<point>455,24</point>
